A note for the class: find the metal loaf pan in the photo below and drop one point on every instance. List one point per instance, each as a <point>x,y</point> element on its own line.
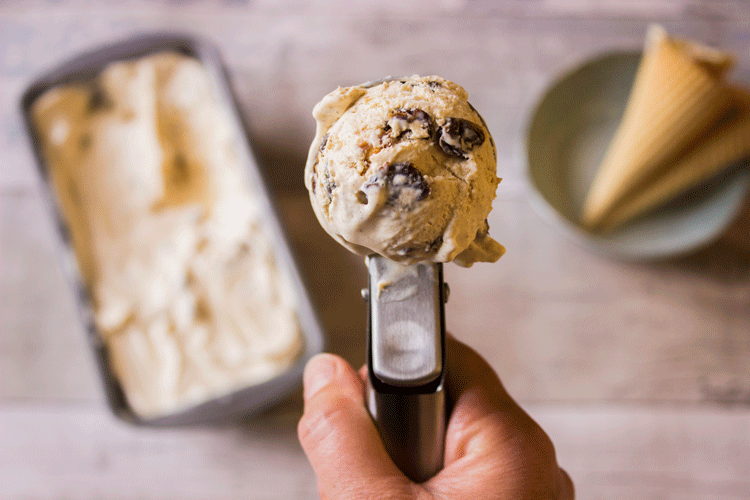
<point>246,401</point>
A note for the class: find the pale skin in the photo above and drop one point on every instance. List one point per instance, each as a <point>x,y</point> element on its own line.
<point>493,449</point>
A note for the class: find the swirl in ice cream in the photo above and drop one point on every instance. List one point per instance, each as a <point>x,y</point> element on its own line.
<point>169,234</point>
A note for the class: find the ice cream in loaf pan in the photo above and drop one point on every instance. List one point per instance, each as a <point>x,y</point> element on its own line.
<point>168,235</point>
<point>405,168</point>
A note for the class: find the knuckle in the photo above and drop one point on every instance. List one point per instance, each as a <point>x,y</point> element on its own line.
<point>528,462</point>
<point>536,445</point>
<point>537,461</point>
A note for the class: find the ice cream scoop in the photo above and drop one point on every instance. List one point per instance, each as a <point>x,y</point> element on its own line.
<point>404,168</point>
<point>406,362</point>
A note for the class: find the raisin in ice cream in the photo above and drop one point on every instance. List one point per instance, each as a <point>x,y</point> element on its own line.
<point>405,168</point>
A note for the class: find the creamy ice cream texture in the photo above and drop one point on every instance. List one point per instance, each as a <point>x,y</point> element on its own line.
<point>168,233</point>
<point>404,168</point>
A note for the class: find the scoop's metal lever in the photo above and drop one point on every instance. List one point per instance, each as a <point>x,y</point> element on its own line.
<point>406,362</point>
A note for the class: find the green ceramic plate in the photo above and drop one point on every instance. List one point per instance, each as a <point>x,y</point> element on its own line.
<point>569,132</point>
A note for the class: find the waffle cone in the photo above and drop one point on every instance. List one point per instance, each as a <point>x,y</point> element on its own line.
<point>675,98</point>
<point>719,150</point>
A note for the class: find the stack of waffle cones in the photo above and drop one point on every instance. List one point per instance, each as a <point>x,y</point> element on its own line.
<point>683,124</point>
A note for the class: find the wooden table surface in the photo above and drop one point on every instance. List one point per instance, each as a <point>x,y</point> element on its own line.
<point>640,372</point>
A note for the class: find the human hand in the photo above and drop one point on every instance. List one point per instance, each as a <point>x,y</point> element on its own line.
<point>493,449</point>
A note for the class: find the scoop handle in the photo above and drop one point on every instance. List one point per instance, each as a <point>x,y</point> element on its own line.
<point>406,363</point>
<point>412,427</point>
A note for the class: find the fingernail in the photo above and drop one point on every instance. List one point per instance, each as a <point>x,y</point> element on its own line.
<point>319,372</point>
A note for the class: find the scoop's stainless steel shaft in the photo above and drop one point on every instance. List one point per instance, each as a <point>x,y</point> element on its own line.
<point>406,362</point>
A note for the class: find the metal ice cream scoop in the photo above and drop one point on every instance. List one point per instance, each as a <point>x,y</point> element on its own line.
<point>406,362</point>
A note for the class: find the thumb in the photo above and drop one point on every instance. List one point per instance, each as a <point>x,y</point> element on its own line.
<point>339,437</point>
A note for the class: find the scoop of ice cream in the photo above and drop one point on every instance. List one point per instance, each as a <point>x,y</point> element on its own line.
<point>405,168</point>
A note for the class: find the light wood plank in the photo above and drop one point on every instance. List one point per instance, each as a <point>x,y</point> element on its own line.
<point>610,452</point>
<point>43,350</point>
<point>560,323</point>
<point>84,453</point>
<point>426,8</point>
<point>661,453</point>
<point>285,64</point>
